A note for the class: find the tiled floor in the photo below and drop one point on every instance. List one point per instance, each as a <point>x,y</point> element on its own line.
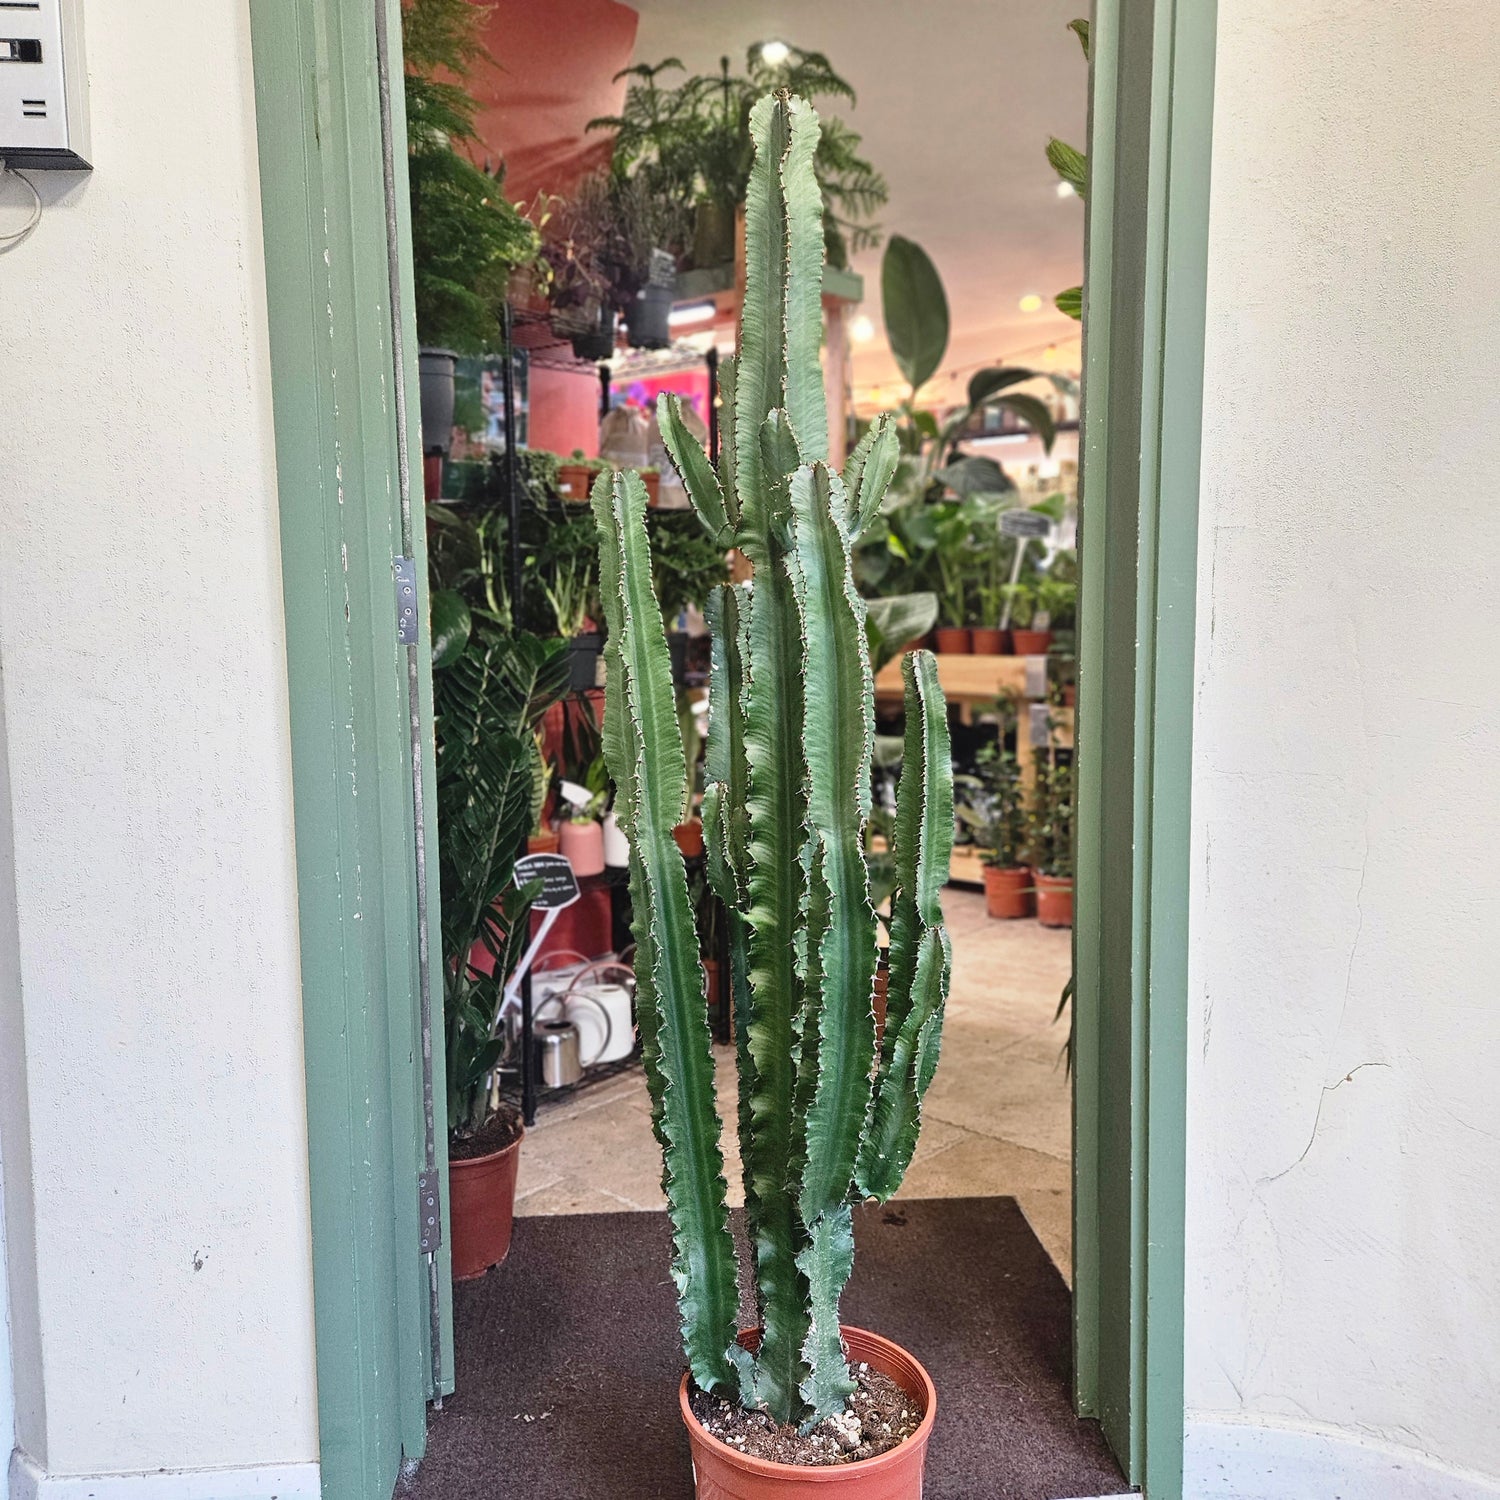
<point>996,1117</point>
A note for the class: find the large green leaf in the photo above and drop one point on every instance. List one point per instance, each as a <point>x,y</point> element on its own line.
<point>1033,412</point>
<point>915,309</point>
<point>994,379</point>
<point>451,625</point>
<point>895,621</point>
<point>1070,164</point>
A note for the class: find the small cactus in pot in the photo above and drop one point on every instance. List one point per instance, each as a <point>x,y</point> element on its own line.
<point>825,1117</point>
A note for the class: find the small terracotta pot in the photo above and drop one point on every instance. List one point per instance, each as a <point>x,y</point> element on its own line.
<point>545,842</point>
<point>711,983</point>
<point>723,1473</point>
<point>988,642</point>
<point>481,1208</point>
<point>1009,893</point>
<point>1031,642</point>
<point>582,845</point>
<point>689,837</point>
<point>951,640</point>
<point>653,488</point>
<point>1054,900</point>
<point>1070,695</point>
<point>574,481</point>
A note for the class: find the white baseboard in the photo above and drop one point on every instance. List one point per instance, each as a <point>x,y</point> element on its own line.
<point>259,1482</point>
<point>1247,1461</point>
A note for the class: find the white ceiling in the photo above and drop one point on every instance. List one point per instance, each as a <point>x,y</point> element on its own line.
<point>957,99</point>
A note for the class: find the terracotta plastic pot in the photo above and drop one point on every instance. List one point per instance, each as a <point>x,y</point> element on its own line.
<point>987,642</point>
<point>689,837</point>
<point>951,640</point>
<point>1054,900</point>
<point>482,1206</point>
<point>574,482</point>
<point>582,845</point>
<point>1030,642</point>
<point>545,842</point>
<point>1009,893</point>
<point>1070,695</point>
<point>711,983</point>
<point>653,488</point>
<point>723,1473</point>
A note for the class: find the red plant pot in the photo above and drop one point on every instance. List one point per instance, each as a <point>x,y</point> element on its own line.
<point>689,837</point>
<point>952,641</point>
<point>482,1208</point>
<point>545,842</point>
<point>1009,893</point>
<point>653,488</point>
<point>575,481</point>
<point>723,1473</point>
<point>988,642</point>
<point>1054,900</point>
<point>1031,642</point>
<point>582,845</point>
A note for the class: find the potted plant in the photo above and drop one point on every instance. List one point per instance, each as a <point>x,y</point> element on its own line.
<point>1021,604</point>
<point>784,810</point>
<point>575,475</point>
<point>1051,842</point>
<point>488,695</point>
<point>581,831</point>
<point>466,236</point>
<point>1002,827</point>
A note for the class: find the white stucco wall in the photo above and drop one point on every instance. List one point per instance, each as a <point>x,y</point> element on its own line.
<point>1344,1145</point>
<point>144,680</point>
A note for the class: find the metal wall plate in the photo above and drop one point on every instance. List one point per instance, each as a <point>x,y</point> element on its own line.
<point>406,601</point>
<point>429,1212</point>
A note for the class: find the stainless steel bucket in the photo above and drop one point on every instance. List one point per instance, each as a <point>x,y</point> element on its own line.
<point>556,1057</point>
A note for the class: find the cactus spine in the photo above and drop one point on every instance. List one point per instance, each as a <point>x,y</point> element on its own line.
<point>823,1120</point>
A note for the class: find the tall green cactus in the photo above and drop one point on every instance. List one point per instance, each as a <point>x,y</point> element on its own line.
<point>823,1118</point>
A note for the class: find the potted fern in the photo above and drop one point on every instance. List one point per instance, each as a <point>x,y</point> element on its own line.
<point>826,1118</point>
<point>1051,818</point>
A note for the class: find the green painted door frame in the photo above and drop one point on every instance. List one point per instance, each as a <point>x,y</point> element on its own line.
<point>1146,267</point>
<point>330,322</point>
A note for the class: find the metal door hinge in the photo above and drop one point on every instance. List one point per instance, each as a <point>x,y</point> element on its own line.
<point>429,1212</point>
<point>406,601</point>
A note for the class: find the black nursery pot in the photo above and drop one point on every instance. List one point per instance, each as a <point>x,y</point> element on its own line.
<point>583,661</point>
<point>648,318</point>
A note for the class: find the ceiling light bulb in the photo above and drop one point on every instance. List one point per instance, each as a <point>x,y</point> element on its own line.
<point>1031,302</point>
<point>773,54</point>
<point>1065,190</point>
<point>862,330</point>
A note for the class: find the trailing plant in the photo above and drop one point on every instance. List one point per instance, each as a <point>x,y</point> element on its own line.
<point>487,700</point>
<point>691,143</point>
<point>1072,166</point>
<point>823,1119</point>
<point>466,237</point>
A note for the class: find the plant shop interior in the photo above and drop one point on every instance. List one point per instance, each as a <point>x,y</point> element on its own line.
<point>582,267</point>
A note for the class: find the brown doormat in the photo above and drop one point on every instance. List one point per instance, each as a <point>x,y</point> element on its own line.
<point>567,1360</point>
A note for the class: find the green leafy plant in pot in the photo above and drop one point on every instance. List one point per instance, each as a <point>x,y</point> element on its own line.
<point>1051,842</point>
<point>825,1119</point>
<point>467,238</point>
<point>997,814</point>
<point>490,690</point>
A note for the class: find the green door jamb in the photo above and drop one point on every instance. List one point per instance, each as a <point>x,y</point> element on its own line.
<point>329,318</point>
<point>1149,156</point>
